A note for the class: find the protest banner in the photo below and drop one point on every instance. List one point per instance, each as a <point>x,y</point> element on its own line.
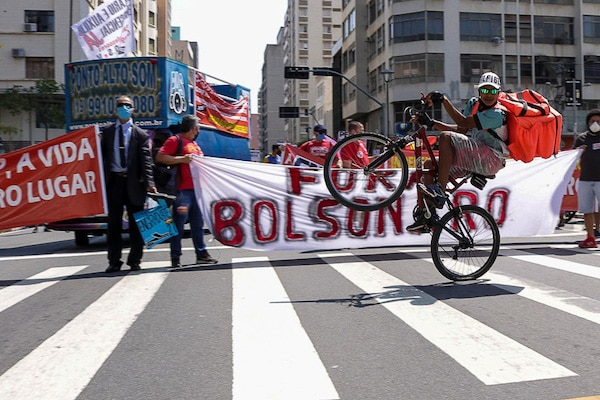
<point>280,207</point>
<point>108,32</point>
<point>58,179</point>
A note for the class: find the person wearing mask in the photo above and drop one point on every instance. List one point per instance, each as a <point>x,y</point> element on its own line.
<point>275,156</point>
<point>320,145</point>
<point>128,171</point>
<point>588,186</point>
<point>185,207</point>
<point>483,151</point>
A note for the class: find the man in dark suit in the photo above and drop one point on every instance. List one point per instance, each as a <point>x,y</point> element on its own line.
<point>128,172</point>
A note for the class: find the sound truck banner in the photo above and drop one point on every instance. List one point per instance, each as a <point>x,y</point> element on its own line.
<point>280,207</point>
<point>58,179</point>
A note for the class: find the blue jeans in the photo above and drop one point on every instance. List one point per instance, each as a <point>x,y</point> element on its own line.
<point>185,208</point>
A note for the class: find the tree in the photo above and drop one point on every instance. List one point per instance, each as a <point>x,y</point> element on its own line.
<point>45,98</point>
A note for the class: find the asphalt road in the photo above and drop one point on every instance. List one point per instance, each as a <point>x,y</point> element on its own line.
<point>351,324</point>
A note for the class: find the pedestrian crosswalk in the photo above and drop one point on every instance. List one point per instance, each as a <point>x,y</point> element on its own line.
<point>273,353</point>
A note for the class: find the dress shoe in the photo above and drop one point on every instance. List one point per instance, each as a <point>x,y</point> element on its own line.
<point>175,262</point>
<point>135,267</point>
<point>113,268</point>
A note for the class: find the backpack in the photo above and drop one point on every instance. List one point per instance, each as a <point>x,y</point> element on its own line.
<point>165,176</point>
<point>534,127</point>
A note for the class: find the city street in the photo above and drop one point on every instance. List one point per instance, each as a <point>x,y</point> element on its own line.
<point>350,324</point>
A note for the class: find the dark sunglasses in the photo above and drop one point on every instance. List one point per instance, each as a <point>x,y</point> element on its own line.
<point>124,105</point>
<point>490,91</point>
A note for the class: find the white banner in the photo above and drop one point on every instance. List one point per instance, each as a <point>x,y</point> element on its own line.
<point>108,32</point>
<point>278,207</point>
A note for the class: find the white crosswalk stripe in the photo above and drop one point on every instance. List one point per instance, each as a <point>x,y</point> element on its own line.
<point>272,354</point>
<point>474,345</point>
<point>273,357</point>
<point>63,365</point>
<point>13,294</point>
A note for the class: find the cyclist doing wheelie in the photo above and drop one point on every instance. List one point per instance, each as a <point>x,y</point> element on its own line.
<point>481,151</point>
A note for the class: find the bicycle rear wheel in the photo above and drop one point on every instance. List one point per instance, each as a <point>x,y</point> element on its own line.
<point>465,243</point>
<point>372,176</point>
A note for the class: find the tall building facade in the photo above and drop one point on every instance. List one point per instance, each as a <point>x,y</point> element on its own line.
<point>395,49</point>
<point>550,46</point>
<point>310,31</point>
<point>36,41</point>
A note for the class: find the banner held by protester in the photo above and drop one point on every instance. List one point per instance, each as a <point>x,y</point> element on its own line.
<point>58,179</point>
<point>278,207</point>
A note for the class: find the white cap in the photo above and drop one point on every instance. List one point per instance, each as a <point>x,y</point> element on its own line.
<point>489,78</point>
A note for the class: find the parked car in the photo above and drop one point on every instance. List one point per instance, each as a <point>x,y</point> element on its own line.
<point>83,228</point>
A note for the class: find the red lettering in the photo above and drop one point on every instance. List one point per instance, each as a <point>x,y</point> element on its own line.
<point>271,218</point>
<point>395,214</point>
<point>289,228</point>
<point>92,40</point>
<point>358,219</point>
<point>499,198</point>
<point>226,217</point>
<point>297,176</point>
<point>347,183</point>
<point>333,224</point>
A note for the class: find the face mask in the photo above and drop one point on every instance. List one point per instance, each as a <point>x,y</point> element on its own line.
<point>124,112</point>
<point>595,127</point>
<point>321,136</point>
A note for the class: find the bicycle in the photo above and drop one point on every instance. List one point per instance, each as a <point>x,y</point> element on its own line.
<point>465,241</point>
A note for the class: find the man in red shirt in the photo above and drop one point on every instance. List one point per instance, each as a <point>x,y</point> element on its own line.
<point>355,154</point>
<point>320,145</point>
<point>185,207</point>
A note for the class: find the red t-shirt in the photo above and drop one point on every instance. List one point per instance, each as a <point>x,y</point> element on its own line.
<point>187,147</point>
<point>356,153</point>
<point>317,149</point>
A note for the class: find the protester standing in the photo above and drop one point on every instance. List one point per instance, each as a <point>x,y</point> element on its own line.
<point>185,207</point>
<point>128,171</point>
<point>320,145</point>
<point>588,186</point>
<point>275,156</point>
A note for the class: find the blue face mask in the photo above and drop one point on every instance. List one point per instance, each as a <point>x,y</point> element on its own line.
<point>124,112</point>
<point>321,136</point>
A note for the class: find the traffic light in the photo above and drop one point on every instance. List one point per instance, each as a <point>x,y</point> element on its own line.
<point>296,72</point>
<point>289,112</point>
<point>325,71</point>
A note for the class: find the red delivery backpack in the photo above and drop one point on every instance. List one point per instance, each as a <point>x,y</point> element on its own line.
<point>534,127</point>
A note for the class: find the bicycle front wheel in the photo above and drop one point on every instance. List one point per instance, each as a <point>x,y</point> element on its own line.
<point>465,243</point>
<point>366,171</point>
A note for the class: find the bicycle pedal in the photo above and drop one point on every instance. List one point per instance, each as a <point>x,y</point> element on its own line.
<point>478,181</point>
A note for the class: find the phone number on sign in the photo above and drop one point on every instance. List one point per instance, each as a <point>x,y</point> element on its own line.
<point>104,107</point>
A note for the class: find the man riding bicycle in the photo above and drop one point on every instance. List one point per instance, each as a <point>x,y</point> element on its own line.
<point>482,152</point>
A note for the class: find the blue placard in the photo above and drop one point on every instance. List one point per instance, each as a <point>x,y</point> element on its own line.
<point>156,224</point>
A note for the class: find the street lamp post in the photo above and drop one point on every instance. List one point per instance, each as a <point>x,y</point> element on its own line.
<point>387,77</point>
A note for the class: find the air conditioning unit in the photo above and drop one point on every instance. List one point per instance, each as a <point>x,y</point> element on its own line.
<point>30,27</point>
<point>18,53</point>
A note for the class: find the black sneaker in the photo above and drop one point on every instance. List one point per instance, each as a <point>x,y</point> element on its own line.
<point>434,193</point>
<point>205,258</point>
<point>175,263</point>
<point>419,226</point>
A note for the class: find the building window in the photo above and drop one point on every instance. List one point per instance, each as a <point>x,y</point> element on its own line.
<point>591,29</point>
<point>39,67</point>
<point>419,68</point>
<point>592,69</point>
<point>472,66</point>
<point>43,19</point>
<point>151,18</point>
<point>550,69</point>
<point>553,30</point>
<point>349,24</point>
<point>374,9</point>
<point>512,68</point>
<point>510,28</point>
<point>427,25</point>
<point>348,58</point>
<point>479,27</point>
<point>152,45</point>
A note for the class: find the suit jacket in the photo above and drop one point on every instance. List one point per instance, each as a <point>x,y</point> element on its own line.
<point>139,161</point>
